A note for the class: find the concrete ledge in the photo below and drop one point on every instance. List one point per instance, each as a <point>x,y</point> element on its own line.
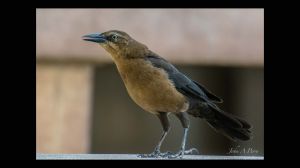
<point>134,157</point>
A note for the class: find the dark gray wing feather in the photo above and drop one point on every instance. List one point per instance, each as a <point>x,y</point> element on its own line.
<point>210,95</point>
<point>182,83</point>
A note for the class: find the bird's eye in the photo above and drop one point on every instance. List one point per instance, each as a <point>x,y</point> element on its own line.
<point>114,37</point>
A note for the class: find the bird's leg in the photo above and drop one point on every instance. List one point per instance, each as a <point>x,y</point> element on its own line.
<point>182,150</point>
<point>166,127</point>
<point>185,123</point>
<point>156,152</point>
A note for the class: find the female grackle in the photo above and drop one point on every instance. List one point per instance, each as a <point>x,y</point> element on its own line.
<point>159,88</point>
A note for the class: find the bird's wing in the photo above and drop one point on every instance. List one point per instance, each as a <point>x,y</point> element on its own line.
<point>210,95</point>
<point>182,83</point>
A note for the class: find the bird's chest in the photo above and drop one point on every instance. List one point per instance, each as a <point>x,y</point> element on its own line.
<point>150,87</point>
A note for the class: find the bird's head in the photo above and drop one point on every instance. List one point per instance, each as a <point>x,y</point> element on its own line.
<point>117,43</point>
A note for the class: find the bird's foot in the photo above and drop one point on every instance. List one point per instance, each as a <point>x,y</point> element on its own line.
<point>180,154</point>
<point>192,151</point>
<point>168,154</point>
<point>155,154</point>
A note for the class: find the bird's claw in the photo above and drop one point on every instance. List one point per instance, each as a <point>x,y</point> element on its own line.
<point>190,151</point>
<point>181,153</point>
<point>168,154</point>
<point>155,154</point>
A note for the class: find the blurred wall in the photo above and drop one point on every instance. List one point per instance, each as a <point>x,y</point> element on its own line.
<point>194,36</point>
<point>63,108</point>
<point>67,66</point>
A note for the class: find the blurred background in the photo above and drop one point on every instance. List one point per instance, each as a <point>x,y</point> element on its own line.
<point>83,106</point>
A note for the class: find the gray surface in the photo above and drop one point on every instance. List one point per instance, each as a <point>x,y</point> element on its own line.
<point>134,157</point>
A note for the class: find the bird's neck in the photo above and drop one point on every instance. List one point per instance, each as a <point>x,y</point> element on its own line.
<point>134,50</point>
<point>130,57</point>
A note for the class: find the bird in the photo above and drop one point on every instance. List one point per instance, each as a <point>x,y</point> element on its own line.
<point>160,88</point>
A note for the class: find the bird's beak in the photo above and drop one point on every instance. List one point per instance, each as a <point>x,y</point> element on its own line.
<point>98,38</point>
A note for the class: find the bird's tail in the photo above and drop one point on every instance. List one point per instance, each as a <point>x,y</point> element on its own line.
<point>228,124</point>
